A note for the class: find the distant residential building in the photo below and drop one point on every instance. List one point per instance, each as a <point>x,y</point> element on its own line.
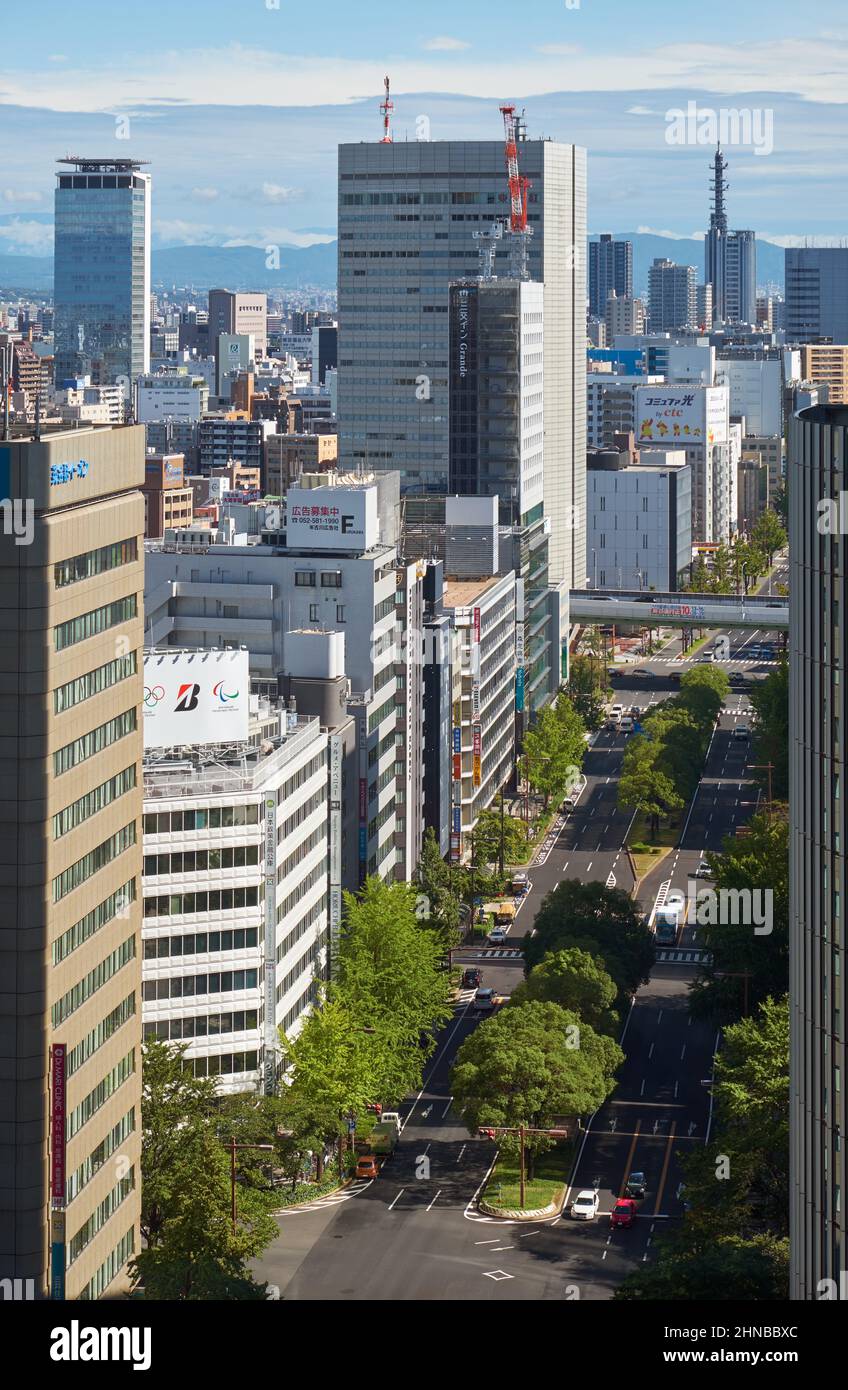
<point>755,383</point>
<point>102,271</point>
<point>610,272</point>
<point>289,455</point>
<point>223,439</point>
<point>672,299</point>
<point>235,313</point>
<point>94,405</point>
<point>175,436</point>
<point>624,314</point>
<point>704,307</point>
<point>639,519</point>
<point>827,365</point>
<point>171,395</point>
<point>168,501</point>
<point>325,351</point>
<point>770,452</point>
<point>816,294</point>
<point>752,491</point>
<point>697,419</point>
<point>611,405</point>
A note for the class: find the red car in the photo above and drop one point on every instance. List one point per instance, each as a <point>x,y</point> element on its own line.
<point>623,1213</point>
<point>367,1166</point>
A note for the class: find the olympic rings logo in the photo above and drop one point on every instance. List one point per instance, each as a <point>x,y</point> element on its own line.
<point>153,694</point>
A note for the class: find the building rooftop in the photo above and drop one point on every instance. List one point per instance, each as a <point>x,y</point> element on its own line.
<point>210,770</point>
<point>462,593</point>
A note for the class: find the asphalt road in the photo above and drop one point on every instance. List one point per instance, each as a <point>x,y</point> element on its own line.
<point>415,1233</point>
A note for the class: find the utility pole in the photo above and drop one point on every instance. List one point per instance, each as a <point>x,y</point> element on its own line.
<point>234,1147</point>
<point>502,834</point>
<point>769,769</point>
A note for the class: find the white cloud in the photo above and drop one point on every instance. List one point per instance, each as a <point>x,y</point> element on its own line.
<point>445,44</point>
<point>176,232</point>
<point>16,195</point>
<point>643,111</point>
<point>278,193</point>
<point>205,195</point>
<point>807,65</point>
<point>558,50</point>
<point>673,236</point>
<point>57,58</point>
<point>26,238</point>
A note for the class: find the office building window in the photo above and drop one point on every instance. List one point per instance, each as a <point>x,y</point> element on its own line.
<point>96,621</point>
<point>93,562</point>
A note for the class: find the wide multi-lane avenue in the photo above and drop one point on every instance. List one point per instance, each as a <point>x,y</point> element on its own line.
<point>415,1233</point>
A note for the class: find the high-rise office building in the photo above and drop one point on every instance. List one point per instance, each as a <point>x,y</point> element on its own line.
<point>672,296</point>
<point>70,880</point>
<point>610,272</point>
<point>102,271</point>
<point>818,891</point>
<point>816,294</point>
<point>234,313</point>
<point>407,214</point>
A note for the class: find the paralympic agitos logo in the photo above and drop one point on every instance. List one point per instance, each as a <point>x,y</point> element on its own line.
<point>188,696</point>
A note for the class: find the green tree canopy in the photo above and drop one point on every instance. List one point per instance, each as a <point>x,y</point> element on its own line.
<point>770,701</point>
<point>768,534</point>
<point>602,921</point>
<point>575,980</point>
<point>436,884</point>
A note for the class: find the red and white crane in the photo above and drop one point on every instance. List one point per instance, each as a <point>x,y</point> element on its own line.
<point>518,183</point>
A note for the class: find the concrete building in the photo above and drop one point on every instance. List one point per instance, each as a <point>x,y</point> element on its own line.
<point>752,491</point>
<point>639,530</point>
<point>323,565</point>
<point>697,419</point>
<point>393,307</point>
<point>769,450</point>
<point>827,365</point>
<point>623,314</point>
<point>102,271</point>
<point>441,651</point>
<point>672,299</point>
<point>91,405</point>
<point>70,789</point>
<point>232,312</point>
<point>611,405</point>
<point>223,438</point>
<point>741,277</point>
<point>704,313</point>
<point>176,394</point>
<point>755,383</point>
<point>168,500</point>
<point>325,351</point>
<point>410,652</point>
<point>610,272</point>
<point>236,893</point>
<point>289,455</point>
<point>818,890</point>
<point>483,614</point>
<point>816,294</point>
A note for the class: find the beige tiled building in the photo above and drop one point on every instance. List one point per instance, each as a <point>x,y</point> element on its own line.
<point>71,594</point>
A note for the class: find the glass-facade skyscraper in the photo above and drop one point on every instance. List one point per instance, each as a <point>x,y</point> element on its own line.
<point>102,271</point>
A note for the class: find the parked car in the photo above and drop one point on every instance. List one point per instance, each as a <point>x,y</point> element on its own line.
<point>392,1117</point>
<point>623,1213</point>
<point>636,1186</point>
<point>585,1205</point>
<point>367,1166</point>
<point>472,978</point>
<point>504,915</point>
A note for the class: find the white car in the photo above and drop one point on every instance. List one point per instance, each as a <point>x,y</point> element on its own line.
<point>585,1205</point>
<point>497,935</point>
<point>741,731</point>
<point>616,712</point>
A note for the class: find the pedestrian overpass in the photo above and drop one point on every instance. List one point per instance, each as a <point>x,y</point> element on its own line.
<point>606,607</point>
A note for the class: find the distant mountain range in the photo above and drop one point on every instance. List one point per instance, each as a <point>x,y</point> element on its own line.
<point>246,267</point>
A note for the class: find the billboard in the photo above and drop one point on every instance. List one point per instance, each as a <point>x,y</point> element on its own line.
<point>195,697</point>
<point>332,518</point>
<point>681,414</point>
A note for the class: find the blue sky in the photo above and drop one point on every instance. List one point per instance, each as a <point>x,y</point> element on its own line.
<point>240,107</point>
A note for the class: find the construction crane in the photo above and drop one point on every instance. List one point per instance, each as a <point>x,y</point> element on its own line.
<point>519,186</point>
<point>386,108</point>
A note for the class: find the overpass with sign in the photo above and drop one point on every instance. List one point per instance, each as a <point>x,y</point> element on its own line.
<point>609,606</point>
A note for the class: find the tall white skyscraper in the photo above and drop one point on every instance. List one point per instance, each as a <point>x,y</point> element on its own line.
<point>102,271</point>
<point>407,217</point>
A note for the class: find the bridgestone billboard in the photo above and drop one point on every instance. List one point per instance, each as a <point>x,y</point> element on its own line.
<point>195,697</point>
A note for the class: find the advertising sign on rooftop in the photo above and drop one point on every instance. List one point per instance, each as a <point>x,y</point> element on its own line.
<point>332,518</point>
<point>195,697</point>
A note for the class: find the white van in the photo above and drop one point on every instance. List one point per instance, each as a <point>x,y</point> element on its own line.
<point>626,724</point>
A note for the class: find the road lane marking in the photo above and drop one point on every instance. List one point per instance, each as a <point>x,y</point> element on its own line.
<point>465,1146</point>
<point>666,1161</point>
<point>446,1109</point>
<point>435,1199</point>
<point>398,1197</point>
<point>487,1242</point>
<point>631,1151</point>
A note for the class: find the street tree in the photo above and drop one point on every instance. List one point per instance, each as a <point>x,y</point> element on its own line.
<point>437,887</point>
<point>176,1109</point>
<point>769,534</point>
<point>770,701</point>
<point>575,980</point>
<point>605,922</point>
<point>587,690</point>
<point>488,833</point>
<point>644,784</point>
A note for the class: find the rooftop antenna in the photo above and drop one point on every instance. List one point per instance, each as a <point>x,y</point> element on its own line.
<point>387,107</point>
<point>486,246</point>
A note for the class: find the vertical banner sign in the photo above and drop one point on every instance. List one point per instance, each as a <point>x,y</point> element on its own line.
<point>477,752</point>
<point>335,843</point>
<point>57,1170</point>
<point>270,945</point>
<point>477,626</point>
<point>363,795</point>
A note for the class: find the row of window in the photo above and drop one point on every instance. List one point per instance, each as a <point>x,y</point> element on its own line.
<point>202,1026</point>
<point>303,774</point>
<point>93,682</point>
<point>376,719</point>
<point>227,1064</point>
<point>217,900</point>
<point>311,842</point>
<point>116,905</point>
<point>187,986</point>
<point>309,995</point>
<point>100,1034</point>
<point>93,862</point>
<point>96,1098</point>
<point>92,562</point>
<point>308,579</point>
<point>302,813</point>
<point>101,1214</point>
<point>110,1267</point>
<point>290,903</point>
<point>94,742</point>
<point>91,1165</point>
<point>97,620</point>
<point>201,860</point>
<point>93,801</point>
<point>206,818</point>
<point>315,613</point>
<point>301,965</point>
<point>199,943</point>
<point>292,937</point>
<point>76,996</point>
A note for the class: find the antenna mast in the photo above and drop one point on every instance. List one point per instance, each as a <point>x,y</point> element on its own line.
<point>387,107</point>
